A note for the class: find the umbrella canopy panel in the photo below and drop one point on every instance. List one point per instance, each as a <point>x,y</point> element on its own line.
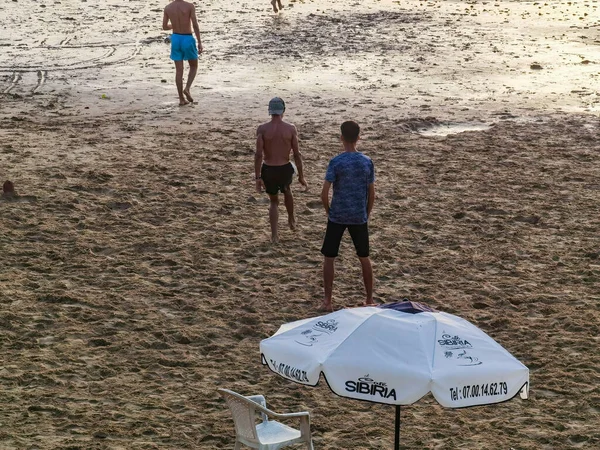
<point>386,360</point>
<point>384,355</point>
<point>470,368</point>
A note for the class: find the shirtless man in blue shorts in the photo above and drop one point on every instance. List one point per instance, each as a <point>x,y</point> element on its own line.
<point>274,172</point>
<point>182,16</point>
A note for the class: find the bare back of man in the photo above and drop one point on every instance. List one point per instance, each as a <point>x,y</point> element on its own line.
<point>180,16</point>
<point>275,140</point>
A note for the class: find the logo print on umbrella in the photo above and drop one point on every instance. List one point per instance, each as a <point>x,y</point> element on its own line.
<point>470,360</point>
<point>327,327</point>
<point>453,342</point>
<point>456,343</point>
<point>366,385</point>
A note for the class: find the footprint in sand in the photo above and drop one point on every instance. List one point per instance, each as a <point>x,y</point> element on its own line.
<point>8,189</point>
<point>9,193</point>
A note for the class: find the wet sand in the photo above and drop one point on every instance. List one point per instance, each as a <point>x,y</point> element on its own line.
<point>137,276</point>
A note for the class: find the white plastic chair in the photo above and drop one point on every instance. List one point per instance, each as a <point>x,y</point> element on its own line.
<point>268,434</point>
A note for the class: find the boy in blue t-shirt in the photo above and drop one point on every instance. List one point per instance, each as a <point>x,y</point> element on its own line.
<point>352,175</point>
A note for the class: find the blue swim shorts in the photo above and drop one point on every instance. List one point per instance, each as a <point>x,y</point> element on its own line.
<point>183,47</point>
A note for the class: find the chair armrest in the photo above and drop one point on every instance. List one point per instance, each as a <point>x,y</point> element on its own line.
<point>260,399</point>
<point>275,415</point>
<point>284,416</point>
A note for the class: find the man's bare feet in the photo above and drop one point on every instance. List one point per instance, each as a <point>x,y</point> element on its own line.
<point>275,239</point>
<point>292,222</point>
<point>188,96</point>
<point>274,2</point>
<point>369,303</point>
<point>325,307</point>
<point>183,102</point>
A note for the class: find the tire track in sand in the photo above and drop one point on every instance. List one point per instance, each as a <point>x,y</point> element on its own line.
<point>99,61</point>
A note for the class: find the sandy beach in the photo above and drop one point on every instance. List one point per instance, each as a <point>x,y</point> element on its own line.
<point>137,275</point>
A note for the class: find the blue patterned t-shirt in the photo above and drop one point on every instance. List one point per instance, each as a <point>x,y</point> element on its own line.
<point>350,173</point>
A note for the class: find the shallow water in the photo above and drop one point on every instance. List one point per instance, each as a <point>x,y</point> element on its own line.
<point>452,128</point>
<point>447,59</point>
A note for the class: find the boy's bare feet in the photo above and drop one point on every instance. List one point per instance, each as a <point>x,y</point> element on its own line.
<point>186,92</point>
<point>275,239</point>
<point>292,222</point>
<point>274,2</point>
<point>183,102</point>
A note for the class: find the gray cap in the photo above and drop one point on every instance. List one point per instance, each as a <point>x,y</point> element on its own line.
<point>276,106</point>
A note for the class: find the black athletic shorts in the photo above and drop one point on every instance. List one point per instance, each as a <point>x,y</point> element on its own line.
<point>277,178</point>
<point>333,237</point>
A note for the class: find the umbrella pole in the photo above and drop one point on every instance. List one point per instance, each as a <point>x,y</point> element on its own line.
<point>397,437</point>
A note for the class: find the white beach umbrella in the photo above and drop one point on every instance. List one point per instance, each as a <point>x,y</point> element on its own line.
<point>395,354</point>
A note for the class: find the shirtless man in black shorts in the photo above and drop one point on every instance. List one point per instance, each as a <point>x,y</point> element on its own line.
<point>272,167</point>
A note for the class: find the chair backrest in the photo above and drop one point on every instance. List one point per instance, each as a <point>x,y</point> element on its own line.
<point>244,414</point>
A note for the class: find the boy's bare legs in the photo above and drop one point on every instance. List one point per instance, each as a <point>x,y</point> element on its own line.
<point>288,198</point>
<point>367,273</point>
<point>179,82</point>
<point>328,274</point>
<point>274,2</point>
<point>190,79</point>
<point>274,217</point>
<point>279,3</point>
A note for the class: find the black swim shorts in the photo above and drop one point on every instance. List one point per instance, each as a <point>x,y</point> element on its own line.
<point>333,237</point>
<point>277,178</point>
